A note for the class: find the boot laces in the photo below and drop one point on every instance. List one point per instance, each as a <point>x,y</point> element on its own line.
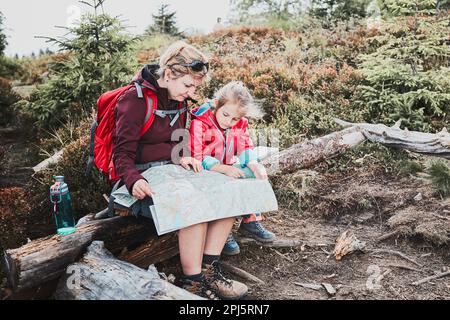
<point>201,288</point>
<point>217,274</point>
<point>260,227</point>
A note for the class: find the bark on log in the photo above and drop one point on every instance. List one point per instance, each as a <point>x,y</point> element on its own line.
<point>45,259</point>
<point>305,154</point>
<point>436,144</point>
<point>100,276</point>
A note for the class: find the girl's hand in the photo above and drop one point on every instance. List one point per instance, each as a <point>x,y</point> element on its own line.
<point>233,172</point>
<point>258,170</point>
<point>196,164</point>
<point>141,189</point>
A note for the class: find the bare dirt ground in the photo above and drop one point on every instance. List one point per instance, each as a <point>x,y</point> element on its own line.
<point>366,202</point>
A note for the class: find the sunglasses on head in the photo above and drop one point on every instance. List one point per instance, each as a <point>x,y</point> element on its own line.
<point>195,65</point>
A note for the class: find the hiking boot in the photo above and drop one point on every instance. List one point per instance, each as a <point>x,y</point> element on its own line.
<point>256,231</point>
<point>231,247</point>
<point>226,289</point>
<point>200,288</point>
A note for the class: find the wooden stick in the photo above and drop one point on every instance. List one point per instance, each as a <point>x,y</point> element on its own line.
<point>313,286</point>
<point>282,255</point>
<point>53,159</point>
<point>398,253</point>
<point>241,273</point>
<point>386,236</point>
<point>440,275</point>
<point>401,266</point>
<point>279,243</point>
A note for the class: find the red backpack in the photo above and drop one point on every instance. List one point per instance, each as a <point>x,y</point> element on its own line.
<point>100,149</point>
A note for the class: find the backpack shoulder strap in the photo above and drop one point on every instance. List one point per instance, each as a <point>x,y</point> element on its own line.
<point>151,103</point>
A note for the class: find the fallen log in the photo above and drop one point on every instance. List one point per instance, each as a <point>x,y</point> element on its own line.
<point>100,276</point>
<point>45,259</point>
<point>305,154</point>
<point>436,144</point>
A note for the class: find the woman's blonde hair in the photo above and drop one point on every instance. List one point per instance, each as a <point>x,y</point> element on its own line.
<point>181,53</point>
<point>237,92</point>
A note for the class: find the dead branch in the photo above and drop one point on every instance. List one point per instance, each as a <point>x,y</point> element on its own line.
<point>386,236</point>
<point>400,266</point>
<point>313,286</point>
<point>53,159</point>
<point>279,243</point>
<point>439,275</point>
<point>242,273</point>
<point>398,253</point>
<point>436,144</point>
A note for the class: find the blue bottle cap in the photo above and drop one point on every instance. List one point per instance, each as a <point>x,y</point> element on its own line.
<point>59,178</point>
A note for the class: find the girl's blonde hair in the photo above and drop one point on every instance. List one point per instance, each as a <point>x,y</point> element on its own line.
<point>237,92</point>
<point>181,53</point>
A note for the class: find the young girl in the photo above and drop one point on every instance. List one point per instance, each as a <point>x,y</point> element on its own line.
<point>219,132</point>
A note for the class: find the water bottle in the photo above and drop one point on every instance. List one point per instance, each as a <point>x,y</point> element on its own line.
<point>62,207</point>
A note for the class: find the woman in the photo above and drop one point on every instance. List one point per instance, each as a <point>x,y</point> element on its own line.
<point>182,68</point>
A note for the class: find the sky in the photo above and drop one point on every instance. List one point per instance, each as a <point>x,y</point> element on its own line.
<point>25,20</point>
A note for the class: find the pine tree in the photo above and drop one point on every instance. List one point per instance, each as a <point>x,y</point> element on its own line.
<point>164,22</point>
<point>280,9</point>
<point>337,10</point>
<point>3,41</point>
<point>96,57</point>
